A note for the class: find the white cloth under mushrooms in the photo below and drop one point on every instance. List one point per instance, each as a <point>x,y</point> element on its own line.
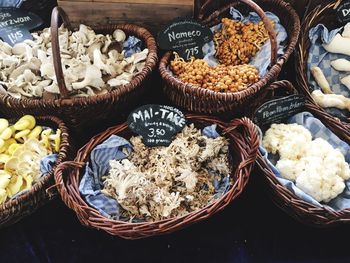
<point>92,64</point>
<point>162,182</point>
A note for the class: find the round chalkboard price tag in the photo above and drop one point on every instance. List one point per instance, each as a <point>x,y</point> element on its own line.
<point>15,24</point>
<point>186,37</point>
<point>275,111</point>
<point>157,124</point>
<point>343,11</point>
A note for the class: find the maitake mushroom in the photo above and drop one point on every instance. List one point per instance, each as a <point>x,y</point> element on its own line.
<point>162,182</point>
<point>92,64</point>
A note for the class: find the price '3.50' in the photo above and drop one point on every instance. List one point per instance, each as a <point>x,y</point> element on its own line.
<point>155,132</point>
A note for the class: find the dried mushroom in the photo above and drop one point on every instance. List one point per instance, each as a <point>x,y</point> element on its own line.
<point>92,64</point>
<point>162,182</point>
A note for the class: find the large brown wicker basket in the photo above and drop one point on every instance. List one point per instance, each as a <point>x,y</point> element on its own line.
<point>322,14</point>
<point>88,110</point>
<point>203,100</point>
<point>300,210</point>
<point>244,142</point>
<point>42,191</point>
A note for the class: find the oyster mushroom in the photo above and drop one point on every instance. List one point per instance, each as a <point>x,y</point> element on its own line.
<point>22,50</point>
<point>119,35</point>
<point>93,78</point>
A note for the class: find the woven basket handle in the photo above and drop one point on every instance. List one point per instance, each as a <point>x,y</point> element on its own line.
<point>205,9</point>
<point>283,86</point>
<point>252,142</point>
<point>60,172</point>
<point>58,12</point>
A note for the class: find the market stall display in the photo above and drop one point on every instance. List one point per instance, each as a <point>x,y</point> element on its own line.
<point>31,149</point>
<point>222,81</point>
<point>305,163</point>
<point>322,61</point>
<point>75,73</point>
<point>202,171</point>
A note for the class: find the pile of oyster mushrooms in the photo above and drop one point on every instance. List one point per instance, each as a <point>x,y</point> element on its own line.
<point>92,64</point>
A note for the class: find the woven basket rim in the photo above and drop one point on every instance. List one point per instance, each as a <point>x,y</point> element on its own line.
<point>285,196</point>
<point>251,89</point>
<point>62,156</point>
<point>130,29</point>
<point>75,201</point>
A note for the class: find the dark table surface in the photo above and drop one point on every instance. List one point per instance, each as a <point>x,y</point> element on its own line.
<point>251,229</point>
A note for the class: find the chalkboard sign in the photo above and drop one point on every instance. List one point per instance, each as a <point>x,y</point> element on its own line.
<point>15,24</point>
<point>186,37</point>
<point>275,111</point>
<point>343,12</point>
<point>157,124</point>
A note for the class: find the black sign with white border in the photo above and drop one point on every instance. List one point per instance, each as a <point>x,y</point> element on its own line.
<point>157,124</point>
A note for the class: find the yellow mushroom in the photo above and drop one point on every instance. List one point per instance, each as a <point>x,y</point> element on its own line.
<point>45,138</point>
<point>4,179</point>
<point>30,119</point>
<point>4,158</point>
<point>34,134</point>
<point>3,196</point>
<point>56,138</point>
<point>3,124</point>
<point>14,185</point>
<point>12,148</point>
<point>21,125</point>
<point>11,164</point>
<point>21,135</point>
<point>6,134</point>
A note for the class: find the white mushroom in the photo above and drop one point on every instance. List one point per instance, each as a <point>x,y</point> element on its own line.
<point>338,45</point>
<point>22,50</point>
<point>346,81</point>
<point>119,35</point>
<point>331,100</point>
<point>321,80</point>
<point>53,88</point>
<point>6,48</point>
<point>93,78</point>
<point>341,64</point>
<point>346,31</point>
<point>99,63</point>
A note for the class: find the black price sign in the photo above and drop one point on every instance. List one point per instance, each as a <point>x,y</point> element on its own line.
<point>186,37</point>
<point>157,124</point>
<point>275,111</point>
<point>343,12</point>
<point>15,24</point>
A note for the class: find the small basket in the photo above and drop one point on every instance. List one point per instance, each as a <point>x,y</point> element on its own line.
<point>326,15</point>
<point>302,211</point>
<point>88,110</point>
<point>202,100</point>
<point>42,191</point>
<point>244,142</point>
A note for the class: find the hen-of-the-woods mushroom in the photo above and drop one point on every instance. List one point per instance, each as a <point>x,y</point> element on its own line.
<point>92,64</point>
<point>154,183</point>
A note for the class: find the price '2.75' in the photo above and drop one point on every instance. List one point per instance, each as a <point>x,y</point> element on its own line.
<point>190,52</point>
<point>155,132</point>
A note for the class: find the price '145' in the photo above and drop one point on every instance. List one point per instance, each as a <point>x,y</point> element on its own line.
<point>190,52</point>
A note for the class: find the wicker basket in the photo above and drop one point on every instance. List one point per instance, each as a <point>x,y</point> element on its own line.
<point>244,142</point>
<point>202,100</point>
<point>326,15</point>
<point>42,191</point>
<point>79,111</point>
<point>285,199</point>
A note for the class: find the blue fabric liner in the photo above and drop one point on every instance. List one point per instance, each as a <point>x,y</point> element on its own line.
<point>111,149</point>
<point>318,130</point>
<point>320,57</point>
<point>131,46</point>
<point>262,59</point>
<point>11,3</point>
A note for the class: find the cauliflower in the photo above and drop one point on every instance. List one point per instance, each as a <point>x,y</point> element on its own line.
<point>322,186</point>
<point>279,134</point>
<point>314,165</point>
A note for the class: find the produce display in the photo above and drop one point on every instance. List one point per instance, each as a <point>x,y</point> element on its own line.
<point>339,61</point>
<point>22,147</point>
<point>236,43</point>
<point>155,183</point>
<point>92,64</point>
<point>314,165</point>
